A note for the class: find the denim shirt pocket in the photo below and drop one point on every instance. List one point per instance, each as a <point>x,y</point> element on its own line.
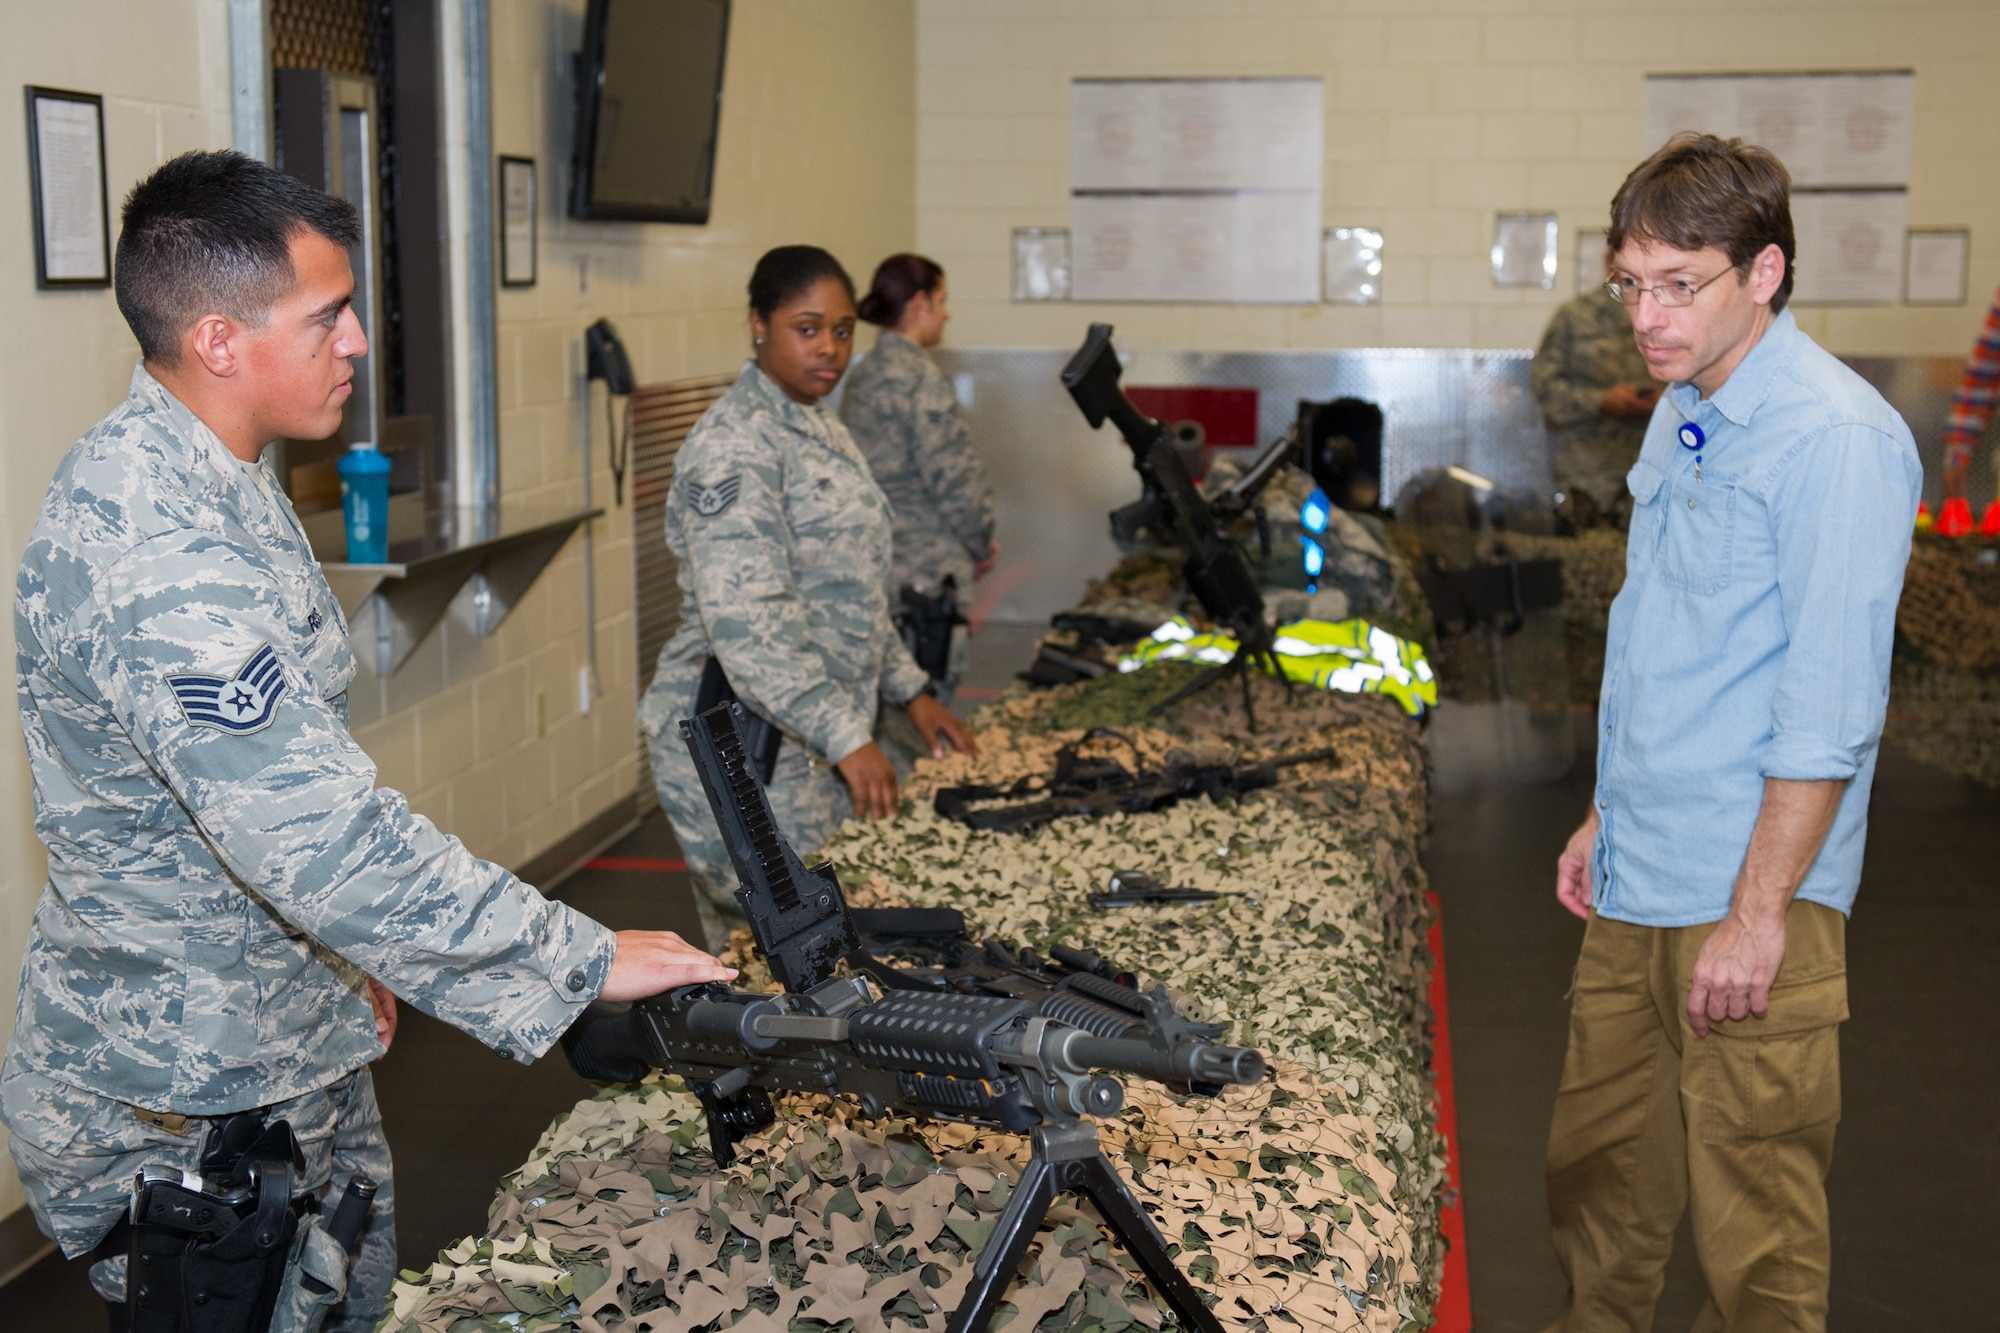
<point>1692,527</point>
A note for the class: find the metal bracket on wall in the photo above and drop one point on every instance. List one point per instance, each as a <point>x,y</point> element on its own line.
<point>500,560</point>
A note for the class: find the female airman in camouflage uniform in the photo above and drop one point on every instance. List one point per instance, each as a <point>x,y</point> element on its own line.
<point>904,416</point>
<point>783,541</point>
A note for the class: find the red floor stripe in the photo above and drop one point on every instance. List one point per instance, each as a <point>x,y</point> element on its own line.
<point>655,863</point>
<point>1454,1307</point>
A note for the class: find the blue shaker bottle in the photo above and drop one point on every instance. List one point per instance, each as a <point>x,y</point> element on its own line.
<point>364,502</point>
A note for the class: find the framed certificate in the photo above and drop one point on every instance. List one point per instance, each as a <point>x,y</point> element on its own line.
<point>517,222</point>
<point>1934,265</point>
<point>66,177</point>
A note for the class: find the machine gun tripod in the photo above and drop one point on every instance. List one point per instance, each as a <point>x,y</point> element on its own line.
<point>1216,570</point>
<point>1245,660</point>
<point>1067,1158</point>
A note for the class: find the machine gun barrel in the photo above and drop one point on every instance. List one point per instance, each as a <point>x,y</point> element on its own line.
<point>1187,1062</point>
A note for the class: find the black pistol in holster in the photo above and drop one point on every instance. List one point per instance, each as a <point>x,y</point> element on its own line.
<point>928,624</point>
<point>222,1250</point>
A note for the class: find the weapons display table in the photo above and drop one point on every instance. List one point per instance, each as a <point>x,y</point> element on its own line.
<point>1308,1200</point>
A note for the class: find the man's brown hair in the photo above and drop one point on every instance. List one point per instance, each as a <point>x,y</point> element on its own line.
<point>1700,191</point>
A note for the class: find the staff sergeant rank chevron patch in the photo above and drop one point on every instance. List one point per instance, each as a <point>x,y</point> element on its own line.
<point>708,501</point>
<point>239,705</point>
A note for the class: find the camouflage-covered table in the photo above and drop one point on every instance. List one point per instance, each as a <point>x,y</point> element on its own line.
<point>1308,1201</point>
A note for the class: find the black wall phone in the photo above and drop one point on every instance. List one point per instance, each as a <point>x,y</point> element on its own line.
<point>604,359</point>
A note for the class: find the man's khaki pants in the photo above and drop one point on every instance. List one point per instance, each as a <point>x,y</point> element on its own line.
<point>1651,1117</point>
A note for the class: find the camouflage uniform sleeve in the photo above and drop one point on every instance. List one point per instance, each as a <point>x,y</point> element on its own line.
<point>1567,399</point>
<point>950,466</point>
<point>756,623</point>
<point>188,642</point>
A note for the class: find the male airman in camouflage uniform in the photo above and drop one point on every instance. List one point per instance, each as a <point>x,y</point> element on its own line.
<point>783,542</point>
<point>1596,395</point>
<point>904,416</point>
<point>224,876</point>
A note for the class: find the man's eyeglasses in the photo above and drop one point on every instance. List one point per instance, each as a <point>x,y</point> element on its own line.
<point>1679,292</point>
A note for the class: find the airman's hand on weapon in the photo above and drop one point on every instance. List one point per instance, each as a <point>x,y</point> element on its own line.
<point>935,723</point>
<point>650,961</point>
<point>872,779</point>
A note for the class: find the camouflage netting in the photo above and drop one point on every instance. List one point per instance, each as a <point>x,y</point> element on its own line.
<point>1308,1201</point>
<point>1944,694</point>
<point>1944,699</point>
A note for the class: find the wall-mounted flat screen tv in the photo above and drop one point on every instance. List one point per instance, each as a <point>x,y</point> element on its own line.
<point>649,98</point>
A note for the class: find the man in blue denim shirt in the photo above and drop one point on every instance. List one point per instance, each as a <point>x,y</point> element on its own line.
<point>1746,678</point>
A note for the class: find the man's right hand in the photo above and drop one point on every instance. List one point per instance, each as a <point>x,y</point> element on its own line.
<point>650,961</point>
<point>872,779</point>
<point>1573,869</point>
<point>1630,400</point>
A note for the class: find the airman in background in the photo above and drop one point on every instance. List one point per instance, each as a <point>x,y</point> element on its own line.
<point>784,549</point>
<point>1596,395</point>
<point>904,416</point>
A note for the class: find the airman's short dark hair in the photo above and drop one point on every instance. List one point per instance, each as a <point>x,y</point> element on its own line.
<point>212,232</point>
<point>1700,191</point>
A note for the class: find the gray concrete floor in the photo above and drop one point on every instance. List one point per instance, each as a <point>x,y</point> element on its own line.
<point>1917,1165</point>
<point>1915,1175</point>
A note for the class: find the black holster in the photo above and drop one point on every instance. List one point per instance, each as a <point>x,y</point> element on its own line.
<point>211,1259</point>
<point>760,739</point>
<point>926,624</point>
<point>212,1254</point>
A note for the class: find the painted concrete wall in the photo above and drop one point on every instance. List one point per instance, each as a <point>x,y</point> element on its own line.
<point>1439,113</point>
<point>487,736</point>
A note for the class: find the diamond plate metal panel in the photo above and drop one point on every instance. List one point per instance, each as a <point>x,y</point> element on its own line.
<point>1055,480</point>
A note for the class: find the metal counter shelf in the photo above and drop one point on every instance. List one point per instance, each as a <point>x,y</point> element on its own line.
<point>499,552</point>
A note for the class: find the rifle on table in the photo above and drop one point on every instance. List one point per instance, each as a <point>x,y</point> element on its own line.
<point>1093,788</point>
<point>1216,571</point>
<point>931,1046</point>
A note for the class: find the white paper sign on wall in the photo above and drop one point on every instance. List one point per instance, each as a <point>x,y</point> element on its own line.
<point>1196,190</point>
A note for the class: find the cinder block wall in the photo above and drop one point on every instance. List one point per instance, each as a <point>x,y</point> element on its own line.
<point>1439,113</point>
<point>817,144</point>
<point>485,736</point>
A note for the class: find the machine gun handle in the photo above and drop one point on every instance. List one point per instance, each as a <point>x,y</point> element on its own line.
<point>607,1043</point>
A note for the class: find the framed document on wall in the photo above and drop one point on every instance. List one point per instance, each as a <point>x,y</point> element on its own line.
<point>517,222</point>
<point>66,178</point>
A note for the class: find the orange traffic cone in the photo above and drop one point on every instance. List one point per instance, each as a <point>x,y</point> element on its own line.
<point>1924,521</point>
<point>1989,522</point>
<point>1955,518</point>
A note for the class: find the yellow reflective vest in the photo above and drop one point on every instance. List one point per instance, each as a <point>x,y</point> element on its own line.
<point>1349,655</point>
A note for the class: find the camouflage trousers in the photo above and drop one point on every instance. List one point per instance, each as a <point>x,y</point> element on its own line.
<point>807,795</point>
<point>78,1153</point>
